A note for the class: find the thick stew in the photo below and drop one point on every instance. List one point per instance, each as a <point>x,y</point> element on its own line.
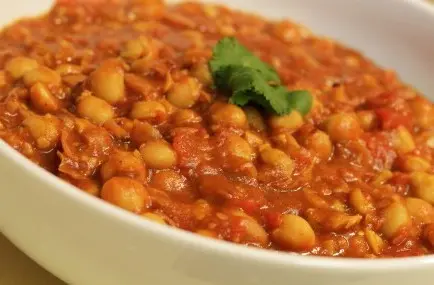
<point>119,99</point>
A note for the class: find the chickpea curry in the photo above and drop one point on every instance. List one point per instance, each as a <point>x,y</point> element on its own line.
<point>125,100</point>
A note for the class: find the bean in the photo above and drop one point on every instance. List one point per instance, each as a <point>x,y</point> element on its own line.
<point>375,242</point>
<point>153,111</point>
<point>395,218</point>
<point>89,186</point>
<point>228,115</point>
<point>42,99</point>
<point>127,193</point>
<point>343,127</point>
<point>43,75</point>
<point>359,202</point>
<point>238,148</point>
<point>143,132</point>
<point>358,246</point>
<point>255,119</point>
<point>134,49</point>
<point>254,232</point>
<point>367,119</point>
<point>68,69</point>
<point>124,164</point>
<point>108,82</point>
<point>402,140</point>
<point>423,112</point>
<point>320,143</point>
<point>414,163</point>
<point>169,181</point>
<point>95,109</point>
<point>423,186</point>
<point>206,233</point>
<point>44,129</point>
<point>294,233</point>
<point>202,73</point>
<point>18,66</point>
<point>155,218</point>
<point>184,117</point>
<point>420,210</point>
<point>428,234</point>
<point>185,93</point>
<point>253,139</point>
<point>277,158</point>
<point>158,154</point>
<point>287,123</point>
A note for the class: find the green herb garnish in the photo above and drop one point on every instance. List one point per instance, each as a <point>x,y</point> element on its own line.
<point>236,69</point>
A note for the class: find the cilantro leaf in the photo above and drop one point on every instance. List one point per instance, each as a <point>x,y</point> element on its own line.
<point>236,69</point>
<point>229,52</point>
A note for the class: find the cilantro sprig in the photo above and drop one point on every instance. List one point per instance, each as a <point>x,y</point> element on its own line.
<point>250,80</point>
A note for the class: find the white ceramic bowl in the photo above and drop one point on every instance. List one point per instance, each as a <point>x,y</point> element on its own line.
<point>87,242</point>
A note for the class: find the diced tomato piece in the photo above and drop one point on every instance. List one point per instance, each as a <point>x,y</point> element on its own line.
<point>249,206</point>
<point>390,119</point>
<point>273,219</point>
<point>381,150</point>
<point>384,99</point>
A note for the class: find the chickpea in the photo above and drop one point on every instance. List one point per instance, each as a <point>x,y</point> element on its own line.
<point>89,186</point>
<point>367,119</point>
<point>168,180</point>
<point>201,209</point>
<point>343,127</point>
<point>359,202</point>
<point>395,218</point>
<point>423,186</point>
<point>254,232</point>
<point>124,164</point>
<point>68,69</point>
<point>228,115</point>
<point>149,110</point>
<point>402,140</point>
<point>423,112</point>
<point>158,154</point>
<point>255,119</point>
<point>108,82</point>
<point>420,210</point>
<point>126,193</point>
<point>185,93</point>
<point>253,139</point>
<point>277,158</point>
<point>155,218</point>
<point>358,246</point>
<point>413,163</point>
<point>143,132</point>
<point>428,234</point>
<point>287,123</point>
<point>375,242</point>
<point>42,74</point>
<point>95,109</point>
<point>294,233</point>
<point>44,129</point>
<point>237,147</point>
<point>185,117</point>
<point>18,66</point>
<point>202,73</point>
<point>320,143</point>
<point>42,99</point>
<point>206,233</point>
<point>134,49</point>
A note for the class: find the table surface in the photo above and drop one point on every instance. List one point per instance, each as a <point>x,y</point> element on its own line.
<point>17,269</point>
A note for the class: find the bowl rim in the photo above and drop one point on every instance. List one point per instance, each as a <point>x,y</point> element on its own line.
<point>172,234</point>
